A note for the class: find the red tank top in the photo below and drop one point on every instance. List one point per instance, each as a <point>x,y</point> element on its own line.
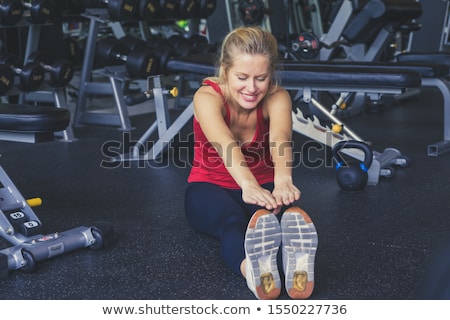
<point>208,166</point>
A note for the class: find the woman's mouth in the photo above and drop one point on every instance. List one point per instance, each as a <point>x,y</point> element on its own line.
<point>249,97</point>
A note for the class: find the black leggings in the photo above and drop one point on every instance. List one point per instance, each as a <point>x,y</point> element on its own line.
<point>221,213</point>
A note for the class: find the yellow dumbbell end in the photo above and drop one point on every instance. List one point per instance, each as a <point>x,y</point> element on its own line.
<point>174,92</point>
<point>343,106</point>
<point>34,202</point>
<point>337,128</point>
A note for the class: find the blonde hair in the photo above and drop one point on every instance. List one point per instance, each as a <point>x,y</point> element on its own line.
<point>247,40</point>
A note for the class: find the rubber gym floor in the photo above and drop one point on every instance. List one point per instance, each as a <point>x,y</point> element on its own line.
<point>377,243</point>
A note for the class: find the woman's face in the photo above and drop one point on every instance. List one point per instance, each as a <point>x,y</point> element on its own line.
<point>249,80</point>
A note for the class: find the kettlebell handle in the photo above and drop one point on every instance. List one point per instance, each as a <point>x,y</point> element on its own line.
<point>349,144</point>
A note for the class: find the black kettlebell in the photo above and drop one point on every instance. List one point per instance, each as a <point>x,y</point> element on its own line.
<point>352,177</point>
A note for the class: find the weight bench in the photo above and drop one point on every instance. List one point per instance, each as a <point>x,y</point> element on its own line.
<point>19,225</point>
<point>303,79</point>
<point>25,123</point>
<point>442,83</point>
<point>434,70</point>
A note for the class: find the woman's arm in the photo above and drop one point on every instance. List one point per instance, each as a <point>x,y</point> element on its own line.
<point>279,108</point>
<point>209,111</point>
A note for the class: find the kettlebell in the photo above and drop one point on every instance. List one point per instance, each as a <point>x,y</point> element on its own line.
<point>352,177</point>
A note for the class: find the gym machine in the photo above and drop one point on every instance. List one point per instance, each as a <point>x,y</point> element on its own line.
<point>19,225</point>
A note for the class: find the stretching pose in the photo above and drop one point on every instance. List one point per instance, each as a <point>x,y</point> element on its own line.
<point>241,179</point>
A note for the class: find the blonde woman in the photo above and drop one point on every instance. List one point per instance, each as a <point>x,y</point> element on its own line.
<point>241,178</point>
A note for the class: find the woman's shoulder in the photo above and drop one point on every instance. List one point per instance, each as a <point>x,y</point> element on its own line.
<point>206,98</point>
<point>278,90</point>
<point>274,101</point>
<point>208,90</point>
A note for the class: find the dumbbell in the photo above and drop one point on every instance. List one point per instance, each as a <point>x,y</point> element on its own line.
<point>187,9</point>
<point>140,62</point>
<point>41,11</point>
<point>157,9</point>
<point>160,49</point>
<point>61,71</point>
<point>31,75</point>
<point>194,44</point>
<point>182,45</point>
<point>201,44</point>
<point>74,50</point>
<point>117,9</point>
<point>6,79</point>
<point>205,8</point>
<point>11,11</point>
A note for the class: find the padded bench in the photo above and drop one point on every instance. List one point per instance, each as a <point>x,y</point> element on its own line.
<point>26,123</point>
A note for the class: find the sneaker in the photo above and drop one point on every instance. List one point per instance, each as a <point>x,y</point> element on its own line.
<point>299,246</point>
<point>262,241</point>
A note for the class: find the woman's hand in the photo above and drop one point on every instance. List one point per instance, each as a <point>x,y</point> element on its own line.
<point>285,193</point>
<point>253,193</point>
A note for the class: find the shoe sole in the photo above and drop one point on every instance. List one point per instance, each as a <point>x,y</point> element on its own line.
<point>262,242</point>
<point>299,243</point>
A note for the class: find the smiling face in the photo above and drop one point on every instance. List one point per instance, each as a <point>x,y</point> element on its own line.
<point>248,80</point>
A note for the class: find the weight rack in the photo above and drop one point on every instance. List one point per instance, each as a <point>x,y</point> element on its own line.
<point>56,95</point>
<point>83,113</point>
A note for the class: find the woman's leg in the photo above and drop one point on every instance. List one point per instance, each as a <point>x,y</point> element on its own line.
<point>220,213</point>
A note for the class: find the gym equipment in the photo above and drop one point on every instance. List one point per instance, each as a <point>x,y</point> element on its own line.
<point>307,45</point>
<point>182,45</point>
<point>140,62</point>
<point>162,51</point>
<point>31,75</point>
<point>363,30</point>
<point>41,11</point>
<point>352,176</point>
<point>31,124</point>
<point>11,11</point>
<point>61,70</point>
<point>187,9</point>
<point>117,9</point>
<point>157,9</point>
<point>19,225</point>
<point>147,95</point>
<point>205,8</point>
<point>251,12</point>
<point>196,43</point>
<point>6,79</point>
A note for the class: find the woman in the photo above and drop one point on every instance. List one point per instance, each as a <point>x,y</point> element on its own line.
<point>242,170</point>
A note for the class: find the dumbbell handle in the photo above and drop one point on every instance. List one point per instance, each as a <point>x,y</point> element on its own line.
<point>147,95</point>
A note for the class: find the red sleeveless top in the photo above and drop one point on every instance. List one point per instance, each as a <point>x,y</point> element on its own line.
<point>208,166</point>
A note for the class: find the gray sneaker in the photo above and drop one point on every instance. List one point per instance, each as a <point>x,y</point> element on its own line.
<point>299,246</point>
<point>262,241</point>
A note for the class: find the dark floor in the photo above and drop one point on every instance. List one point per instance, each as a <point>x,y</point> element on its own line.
<point>373,244</point>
